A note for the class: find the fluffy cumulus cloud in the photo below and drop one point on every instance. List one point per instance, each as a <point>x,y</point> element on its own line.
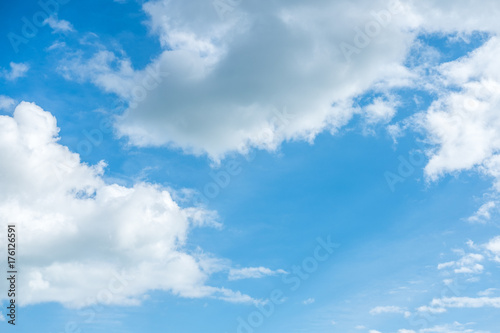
<point>234,75</point>
<point>86,240</point>
<point>260,75</point>
<point>464,123</point>
<point>493,247</point>
<point>234,69</point>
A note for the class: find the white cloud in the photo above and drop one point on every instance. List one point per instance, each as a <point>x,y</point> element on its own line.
<point>309,301</point>
<point>86,240</point>
<point>464,122</point>
<point>16,71</point>
<point>58,25</point>
<point>493,248</point>
<point>387,309</point>
<point>468,264</point>
<point>431,309</point>
<point>250,70</point>
<point>406,331</point>
<point>380,110</point>
<point>56,45</point>
<point>487,292</point>
<point>466,302</point>
<point>456,327</point>
<point>374,331</point>
<point>494,245</point>
<point>252,273</point>
<point>483,214</point>
<point>6,103</point>
<point>263,59</point>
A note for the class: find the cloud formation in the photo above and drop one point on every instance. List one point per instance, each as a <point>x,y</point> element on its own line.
<point>468,264</point>
<point>231,81</point>
<point>467,302</point>
<point>86,240</point>
<point>6,103</point>
<point>389,309</point>
<point>252,273</point>
<point>464,124</point>
<point>58,25</point>
<point>16,71</point>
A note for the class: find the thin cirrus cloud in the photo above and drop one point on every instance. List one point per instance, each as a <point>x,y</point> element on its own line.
<point>430,309</point>
<point>467,302</point>
<point>456,327</point>
<point>59,203</point>
<point>389,309</point>
<point>252,273</point>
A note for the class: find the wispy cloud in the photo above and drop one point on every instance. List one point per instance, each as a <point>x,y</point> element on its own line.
<point>58,25</point>
<point>16,71</point>
<point>483,214</point>
<point>389,309</point>
<point>6,103</point>
<point>309,301</point>
<point>468,264</point>
<point>466,302</point>
<point>252,273</point>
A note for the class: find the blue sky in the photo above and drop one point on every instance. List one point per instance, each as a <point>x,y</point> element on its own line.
<point>174,166</point>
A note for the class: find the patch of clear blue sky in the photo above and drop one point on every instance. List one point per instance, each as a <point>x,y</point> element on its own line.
<point>274,209</point>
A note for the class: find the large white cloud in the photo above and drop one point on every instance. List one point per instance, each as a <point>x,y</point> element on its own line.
<point>260,74</point>
<point>229,77</point>
<point>82,240</point>
<point>264,74</point>
<point>465,123</point>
